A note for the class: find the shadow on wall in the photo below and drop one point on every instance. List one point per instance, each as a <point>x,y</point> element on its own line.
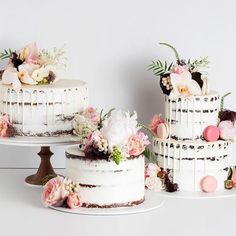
<point>145,96</point>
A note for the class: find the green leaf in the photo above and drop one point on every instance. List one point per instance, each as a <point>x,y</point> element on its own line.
<point>222,101</point>
<point>6,54</point>
<point>175,51</point>
<point>150,155</point>
<point>230,173</point>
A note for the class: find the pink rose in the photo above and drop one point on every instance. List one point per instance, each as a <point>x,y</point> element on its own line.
<point>156,120</point>
<point>30,53</point>
<point>73,201</point>
<point>91,114</point>
<point>233,178</point>
<point>4,125</point>
<point>137,143</point>
<point>178,69</point>
<point>54,192</point>
<point>153,183</point>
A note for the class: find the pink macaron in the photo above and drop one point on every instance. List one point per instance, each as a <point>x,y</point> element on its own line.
<point>211,133</point>
<point>163,131</point>
<point>208,184</point>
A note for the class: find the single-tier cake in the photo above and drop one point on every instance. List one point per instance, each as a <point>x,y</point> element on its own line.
<point>192,144</point>
<point>107,169</point>
<point>103,183</point>
<point>33,100</point>
<point>43,110</point>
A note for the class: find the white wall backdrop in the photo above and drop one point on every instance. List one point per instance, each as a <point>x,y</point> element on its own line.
<point>110,43</point>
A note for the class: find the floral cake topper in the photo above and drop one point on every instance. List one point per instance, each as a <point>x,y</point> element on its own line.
<point>115,135</point>
<point>182,78</point>
<point>30,66</point>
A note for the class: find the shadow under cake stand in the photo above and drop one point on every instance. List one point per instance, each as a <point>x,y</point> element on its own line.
<point>45,143</point>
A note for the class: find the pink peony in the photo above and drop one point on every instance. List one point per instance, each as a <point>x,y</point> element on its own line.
<point>30,53</point>
<point>137,144</point>
<point>73,201</point>
<point>91,114</point>
<point>156,120</point>
<point>54,192</point>
<point>4,125</point>
<point>178,69</point>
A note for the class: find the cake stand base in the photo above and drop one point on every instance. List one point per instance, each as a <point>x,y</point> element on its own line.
<point>45,168</point>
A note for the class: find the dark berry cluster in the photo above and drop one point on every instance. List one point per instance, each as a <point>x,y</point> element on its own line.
<point>227,115</point>
<point>168,183</point>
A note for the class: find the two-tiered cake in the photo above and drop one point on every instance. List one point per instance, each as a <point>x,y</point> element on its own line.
<point>189,143</point>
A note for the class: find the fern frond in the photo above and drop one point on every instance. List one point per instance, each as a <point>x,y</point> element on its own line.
<point>6,54</point>
<point>159,68</point>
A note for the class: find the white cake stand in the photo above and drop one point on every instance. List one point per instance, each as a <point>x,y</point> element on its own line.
<point>198,195</point>
<point>45,167</point>
<point>152,202</point>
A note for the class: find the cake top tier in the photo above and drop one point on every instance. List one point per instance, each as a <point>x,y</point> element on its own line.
<point>182,78</point>
<point>60,84</point>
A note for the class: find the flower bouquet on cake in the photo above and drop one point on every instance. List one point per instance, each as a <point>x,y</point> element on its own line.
<point>113,144</point>
<point>31,66</point>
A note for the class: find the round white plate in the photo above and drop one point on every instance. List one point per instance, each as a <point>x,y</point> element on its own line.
<point>39,141</point>
<point>198,195</point>
<point>152,202</point>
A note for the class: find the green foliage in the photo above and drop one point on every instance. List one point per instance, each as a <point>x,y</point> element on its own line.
<point>160,68</point>
<point>230,173</point>
<point>116,155</point>
<point>47,178</point>
<point>197,65</point>
<point>105,116</point>
<point>222,101</point>
<point>6,54</point>
<point>55,57</point>
<point>150,155</point>
<point>175,51</point>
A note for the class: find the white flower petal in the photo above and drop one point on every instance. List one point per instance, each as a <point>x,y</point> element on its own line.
<point>194,88</point>
<point>10,76</point>
<point>28,67</point>
<point>28,80</point>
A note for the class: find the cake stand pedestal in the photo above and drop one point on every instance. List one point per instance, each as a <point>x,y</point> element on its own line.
<point>45,143</point>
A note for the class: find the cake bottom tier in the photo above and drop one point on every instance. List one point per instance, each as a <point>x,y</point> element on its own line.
<point>105,184</point>
<point>188,161</point>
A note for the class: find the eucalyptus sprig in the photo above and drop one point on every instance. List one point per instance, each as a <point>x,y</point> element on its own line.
<point>160,68</point>
<point>6,54</point>
<point>150,155</point>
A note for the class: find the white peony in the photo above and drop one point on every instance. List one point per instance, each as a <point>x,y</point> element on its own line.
<point>153,183</point>
<point>119,127</point>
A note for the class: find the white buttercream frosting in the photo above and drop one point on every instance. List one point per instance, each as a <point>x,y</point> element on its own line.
<point>111,183</point>
<point>43,109</point>
<point>190,161</point>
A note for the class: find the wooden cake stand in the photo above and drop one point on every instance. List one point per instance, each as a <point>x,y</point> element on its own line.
<point>45,168</point>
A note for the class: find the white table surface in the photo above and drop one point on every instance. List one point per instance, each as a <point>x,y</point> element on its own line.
<point>21,213</point>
